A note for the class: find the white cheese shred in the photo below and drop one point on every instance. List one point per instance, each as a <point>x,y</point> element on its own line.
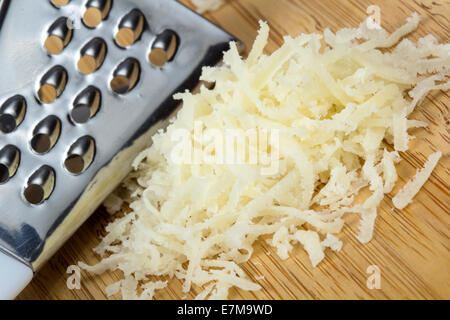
<point>335,107</point>
<point>113,203</point>
<point>332,242</point>
<point>412,187</point>
<point>203,6</point>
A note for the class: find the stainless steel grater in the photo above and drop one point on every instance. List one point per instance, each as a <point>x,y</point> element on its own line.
<point>83,85</point>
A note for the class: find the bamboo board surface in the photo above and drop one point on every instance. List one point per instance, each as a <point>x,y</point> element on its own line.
<point>411,246</point>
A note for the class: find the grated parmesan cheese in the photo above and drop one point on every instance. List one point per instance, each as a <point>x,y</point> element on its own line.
<point>332,242</point>
<point>412,187</point>
<point>333,107</point>
<point>113,203</point>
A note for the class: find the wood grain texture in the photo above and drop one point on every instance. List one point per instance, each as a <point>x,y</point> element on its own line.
<point>411,247</point>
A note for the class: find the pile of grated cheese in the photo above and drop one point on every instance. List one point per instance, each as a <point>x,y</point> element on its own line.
<point>335,106</point>
<point>203,6</point>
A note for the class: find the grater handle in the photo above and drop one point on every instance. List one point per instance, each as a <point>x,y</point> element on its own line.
<point>14,277</point>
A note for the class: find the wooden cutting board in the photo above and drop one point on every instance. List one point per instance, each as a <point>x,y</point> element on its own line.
<point>410,247</point>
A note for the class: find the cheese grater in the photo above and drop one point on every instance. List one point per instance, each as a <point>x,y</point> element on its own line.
<point>83,86</point>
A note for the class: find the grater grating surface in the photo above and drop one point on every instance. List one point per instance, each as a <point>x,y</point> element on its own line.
<point>60,159</point>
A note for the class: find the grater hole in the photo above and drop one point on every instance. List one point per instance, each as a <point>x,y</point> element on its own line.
<point>12,113</point>
<point>120,84</point>
<point>4,173</point>
<point>96,12</point>
<point>47,93</point>
<point>9,162</point>
<point>40,185</point>
<point>34,194</point>
<point>158,57</point>
<point>41,143</point>
<point>86,105</point>
<point>74,164</point>
<point>52,84</point>
<point>92,17</point>
<point>87,65</point>
<point>7,123</point>
<point>54,45</point>
<point>92,56</point>
<point>130,28</point>
<point>126,76</point>
<point>81,114</point>
<point>46,134</point>
<point>80,156</point>
<point>163,48</point>
<point>59,3</point>
<point>59,36</point>
<point>125,37</point>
